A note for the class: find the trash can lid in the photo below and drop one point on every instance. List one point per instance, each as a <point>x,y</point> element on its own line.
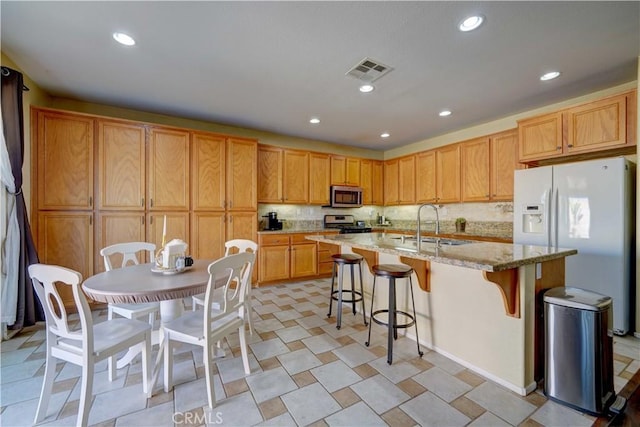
<point>577,298</point>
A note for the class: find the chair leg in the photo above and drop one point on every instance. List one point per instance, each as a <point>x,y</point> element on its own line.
<point>168,363</point>
<point>415,319</point>
<point>373,294</point>
<point>47,387</point>
<point>353,290</point>
<point>152,318</point>
<point>85,392</point>
<point>146,365</point>
<point>209,353</point>
<point>339,305</point>
<point>333,282</point>
<point>364,314</point>
<point>248,314</point>
<point>243,350</point>
<point>111,363</point>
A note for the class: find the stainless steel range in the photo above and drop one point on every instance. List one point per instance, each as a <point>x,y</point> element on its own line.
<point>345,223</point>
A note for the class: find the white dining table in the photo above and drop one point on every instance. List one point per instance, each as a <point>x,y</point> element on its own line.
<point>139,284</point>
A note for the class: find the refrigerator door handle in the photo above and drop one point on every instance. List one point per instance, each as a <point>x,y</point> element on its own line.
<point>555,214</point>
<point>549,201</point>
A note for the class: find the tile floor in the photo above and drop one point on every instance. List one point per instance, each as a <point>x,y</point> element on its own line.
<point>304,372</point>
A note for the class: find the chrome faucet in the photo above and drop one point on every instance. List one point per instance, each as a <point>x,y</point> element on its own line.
<point>437,222</point>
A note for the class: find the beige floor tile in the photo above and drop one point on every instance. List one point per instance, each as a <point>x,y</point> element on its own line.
<point>468,407</point>
<point>365,371</point>
<point>411,387</point>
<point>346,397</point>
<point>474,380</point>
<point>304,378</point>
<point>235,387</point>
<point>396,417</point>
<point>272,408</point>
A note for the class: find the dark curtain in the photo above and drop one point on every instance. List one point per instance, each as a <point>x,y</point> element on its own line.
<point>29,310</point>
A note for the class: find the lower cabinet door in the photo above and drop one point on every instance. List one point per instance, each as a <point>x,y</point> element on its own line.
<point>304,260</point>
<point>274,263</point>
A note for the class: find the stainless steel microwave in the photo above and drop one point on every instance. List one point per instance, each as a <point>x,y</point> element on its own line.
<point>342,196</point>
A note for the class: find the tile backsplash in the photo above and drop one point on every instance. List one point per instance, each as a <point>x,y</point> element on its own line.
<point>492,219</point>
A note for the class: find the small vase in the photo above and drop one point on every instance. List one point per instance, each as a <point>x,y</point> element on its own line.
<point>460,227</point>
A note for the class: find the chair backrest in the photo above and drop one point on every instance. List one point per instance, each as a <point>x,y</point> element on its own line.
<point>236,271</point>
<point>239,246</point>
<point>128,251</point>
<point>44,279</point>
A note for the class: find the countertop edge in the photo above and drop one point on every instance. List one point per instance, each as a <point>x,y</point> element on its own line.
<point>452,259</point>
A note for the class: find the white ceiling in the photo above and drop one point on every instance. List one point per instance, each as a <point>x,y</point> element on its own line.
<point>273,65</point>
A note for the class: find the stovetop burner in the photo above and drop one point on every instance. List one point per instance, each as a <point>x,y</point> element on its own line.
<point>345,223</point>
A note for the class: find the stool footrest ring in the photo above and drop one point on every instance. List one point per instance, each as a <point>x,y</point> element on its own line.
<point>356,296</point>
<point>396,326</point>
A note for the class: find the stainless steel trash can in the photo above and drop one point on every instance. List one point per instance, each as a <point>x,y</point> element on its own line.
<point>579,349</point>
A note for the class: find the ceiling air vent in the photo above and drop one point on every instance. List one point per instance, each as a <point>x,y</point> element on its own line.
<point>369,70</point>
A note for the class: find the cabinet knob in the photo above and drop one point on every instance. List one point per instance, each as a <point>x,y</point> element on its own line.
<point>569,145</point>
<point>558,148</point>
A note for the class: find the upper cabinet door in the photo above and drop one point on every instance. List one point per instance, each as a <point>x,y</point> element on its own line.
<point>338,168</point>
<point>597,125</point>
<point>475,161</point>
<point>426,177</point>
<point>208,176</point>
<point>352,171</point>
<point>319,179</point>
<point>121,166</point>
<point>242,175</point>
<point>168,169</point>
<point>65,161</point>
<point>270,174</point>
<point>540,137</point>
<point>407,180</point>
<point>448,173</point>
<point>391,182</point>
<point>296,177</point>
<point>504,160</point>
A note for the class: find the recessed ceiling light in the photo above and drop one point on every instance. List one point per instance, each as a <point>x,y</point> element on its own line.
<point>385,135</point>
<point>124,39</point>
<point>314,120</point>
<point>471,23</point>
<point>444,113</point>
<point>366,88</point>
<point>550,75</point>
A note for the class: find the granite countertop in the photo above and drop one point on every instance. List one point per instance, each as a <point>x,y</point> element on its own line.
<point>487,256</point>
<point>376,228</point>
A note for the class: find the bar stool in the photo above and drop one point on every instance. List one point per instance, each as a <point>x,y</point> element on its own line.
<point>341,260</point>
<point>393,272</point>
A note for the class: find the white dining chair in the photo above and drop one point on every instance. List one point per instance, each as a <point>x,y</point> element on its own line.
<point>206,328</point>
<point>129,251</point>
<point>231,247</point>
<point>85,345</point>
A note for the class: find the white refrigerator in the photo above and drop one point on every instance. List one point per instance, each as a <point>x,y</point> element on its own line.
<point>588,206</point>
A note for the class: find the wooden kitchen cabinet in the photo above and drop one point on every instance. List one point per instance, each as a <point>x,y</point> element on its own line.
<point>270,174</point>
<point>448,174</point>
<point>407,180</point>
<point>168,169</point>
<point>208,234</point>
<point>242,225</point>
<point>177,227</point>
<point>345,170</point>
<point>476,169</point>
<point>540,137</point>
<point>64,160</point>
<point>325,260</point>
<point>118,227</point>
<point>599,125</point>
<point>273,258</point>
<point>121,166</point>
<point>606,126</point>
<point>242,174</point>
<point>391,194</point>
<point>304,257</point>
<point>208,162</point>
<point>286,256</point>
<point>426,177</point>
<point>296,177</point>
<point>66,238</point>
<point>504,161</point>
<point>319,178</point>
<point>371,181</point>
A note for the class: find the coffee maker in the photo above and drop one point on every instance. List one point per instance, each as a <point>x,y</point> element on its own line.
<point>272,221</point>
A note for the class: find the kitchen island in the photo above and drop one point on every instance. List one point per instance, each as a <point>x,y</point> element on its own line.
<point>477,303</point>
